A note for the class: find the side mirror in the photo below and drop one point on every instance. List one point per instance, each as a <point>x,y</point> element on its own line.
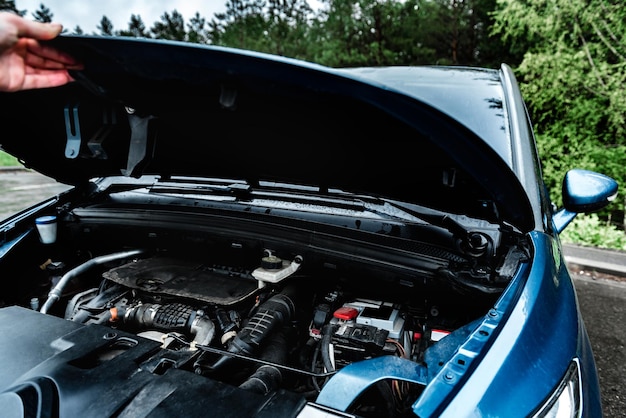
<point>583,192</point>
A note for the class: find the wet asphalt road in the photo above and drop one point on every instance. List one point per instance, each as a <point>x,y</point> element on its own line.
<point>603,304</point>
<point>602,297</point>
<point>20,189</point>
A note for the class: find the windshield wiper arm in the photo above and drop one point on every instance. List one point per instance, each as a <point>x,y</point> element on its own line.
<point>473,242</point>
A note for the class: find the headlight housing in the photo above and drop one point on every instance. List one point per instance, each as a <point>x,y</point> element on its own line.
<point>567,400</point>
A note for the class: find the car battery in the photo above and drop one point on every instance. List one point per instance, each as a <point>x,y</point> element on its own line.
<point>354,342</point>
<point>378,314</point>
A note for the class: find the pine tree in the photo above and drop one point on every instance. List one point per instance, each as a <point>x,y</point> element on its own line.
<point>106,26</point>
<point>287,27</point>
<point>136,28</point>
<point>9,6</point>
<point>243,25</point>
<point>43,14</point>
<point>197,32</point>
<point>170,27</point>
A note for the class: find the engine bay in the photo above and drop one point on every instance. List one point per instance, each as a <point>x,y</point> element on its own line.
<point>262,320</point>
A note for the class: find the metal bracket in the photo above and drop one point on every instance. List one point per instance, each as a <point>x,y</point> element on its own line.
<point>94,144</point>
<point>138,149</point>
<point>72,130</point>
<point>109,122</point>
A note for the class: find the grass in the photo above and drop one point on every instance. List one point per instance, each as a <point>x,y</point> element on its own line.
<point>7,160</point>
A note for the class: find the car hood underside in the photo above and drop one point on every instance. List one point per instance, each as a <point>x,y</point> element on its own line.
<point>171,109</point>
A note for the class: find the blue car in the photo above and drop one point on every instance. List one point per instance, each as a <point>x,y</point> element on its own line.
<point>248,235</point>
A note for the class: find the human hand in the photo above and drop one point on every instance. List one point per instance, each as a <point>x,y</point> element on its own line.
<point>24,62</point>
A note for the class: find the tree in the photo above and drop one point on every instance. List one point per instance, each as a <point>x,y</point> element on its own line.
<point>572,76</point>
<point>106,26</point>
<point>78,30</point>
<point>491,50</point>
<point>406,36</point>
<point>341,33</point>
<point>196,30</point>
<point>9,6</point>
<point>460,33</point>
<point>136,28</point>
<point>43,14</point>
<point>372,32</point>
<point>243,25</point>
<point>170,27</point>
<point>214,32</point>
<point>287,27</point>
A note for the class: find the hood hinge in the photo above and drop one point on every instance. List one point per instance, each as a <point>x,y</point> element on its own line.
<point>94,144</point>
<point>72,130</point>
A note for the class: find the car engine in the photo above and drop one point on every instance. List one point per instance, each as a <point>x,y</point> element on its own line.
<point>145,301</point>
<point>260,329</point>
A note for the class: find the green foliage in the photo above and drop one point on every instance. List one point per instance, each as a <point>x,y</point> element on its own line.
<point>7,160</point>
<point>9,5</point>
<point>287,28</point>
<point>348,33</point>
<point>171,26</point>
<point>341,33</point>
<point>460,31</point>
<point>106,26</point>
<point>43,14</point>
<point>242,25</point>
<point>572,77</point>
<point>136,28</point>
<point>590,231</point>
<point>197,32</point>
<point>354,33</point>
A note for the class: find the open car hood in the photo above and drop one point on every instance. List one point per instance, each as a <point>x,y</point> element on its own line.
<point>166,108</point>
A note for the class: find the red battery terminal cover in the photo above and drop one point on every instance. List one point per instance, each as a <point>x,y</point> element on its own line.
<point>346,313</point>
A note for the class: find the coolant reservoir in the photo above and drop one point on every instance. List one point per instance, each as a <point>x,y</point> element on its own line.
<point>274,269</point>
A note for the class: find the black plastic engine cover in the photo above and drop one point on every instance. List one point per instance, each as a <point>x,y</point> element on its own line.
<point>57,368</point>
<point>219,285</point>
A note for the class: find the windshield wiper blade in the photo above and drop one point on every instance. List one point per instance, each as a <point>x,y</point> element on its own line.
<point>240,191</point>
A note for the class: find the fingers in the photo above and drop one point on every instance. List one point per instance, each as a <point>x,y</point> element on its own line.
<point>16,78</point>
<point>45,79</point>
<point>24,62</point>
<point>32,29</point>
<point>36,66</point>
<point>39,56</point>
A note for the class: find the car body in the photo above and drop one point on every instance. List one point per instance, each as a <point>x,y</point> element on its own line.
<point>250,235</point>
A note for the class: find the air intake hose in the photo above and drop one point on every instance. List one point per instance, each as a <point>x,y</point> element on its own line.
<point>268,378</point>
<point>57,291</point>
<point>270,315</point>
<point>172,317</point>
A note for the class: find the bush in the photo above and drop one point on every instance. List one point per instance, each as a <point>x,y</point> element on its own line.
<point>589,230</point>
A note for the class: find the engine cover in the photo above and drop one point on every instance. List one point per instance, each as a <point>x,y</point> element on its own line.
<point>219,285</point>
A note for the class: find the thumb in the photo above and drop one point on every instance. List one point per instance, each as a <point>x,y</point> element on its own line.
<point>36,30</point>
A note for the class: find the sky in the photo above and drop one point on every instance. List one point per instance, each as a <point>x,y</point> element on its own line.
<point>88,13</point>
